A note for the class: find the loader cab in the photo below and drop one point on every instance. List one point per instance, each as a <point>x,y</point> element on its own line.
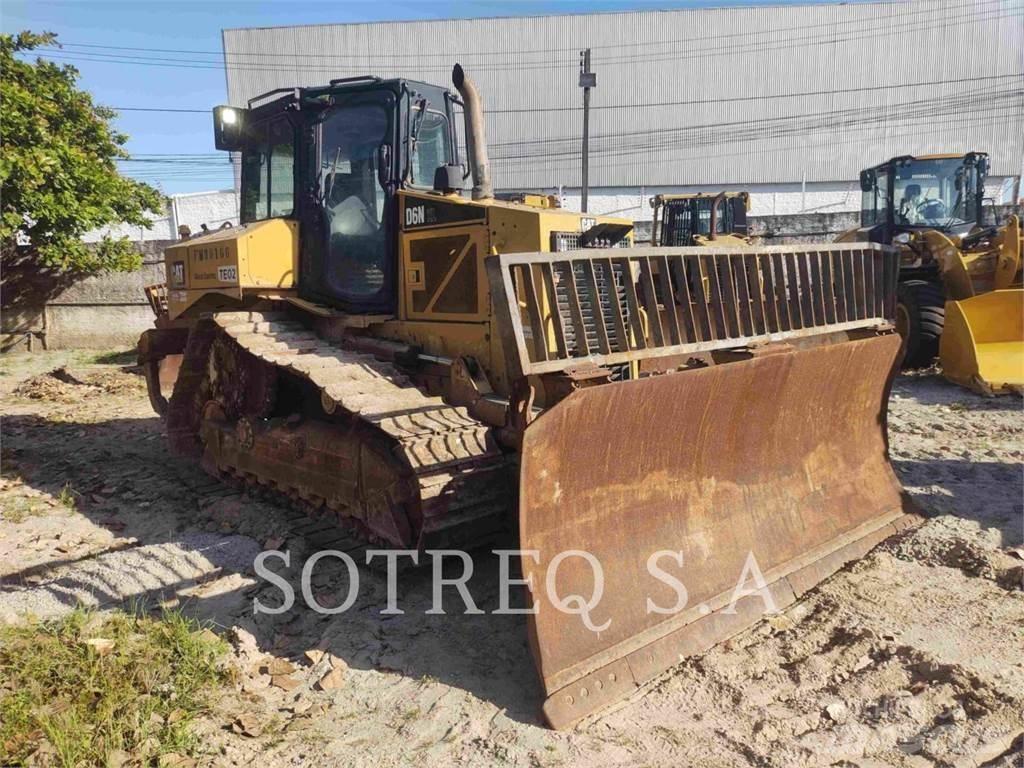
<point>333,158</point>
<point>938,192</point>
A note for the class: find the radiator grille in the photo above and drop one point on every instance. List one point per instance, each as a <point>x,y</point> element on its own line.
<point>572,241</point>
<point>608,280</point>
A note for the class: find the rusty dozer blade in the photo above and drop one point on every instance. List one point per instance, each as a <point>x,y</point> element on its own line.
<point>782,457</point>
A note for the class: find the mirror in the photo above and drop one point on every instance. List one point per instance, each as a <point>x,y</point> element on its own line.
<point>867,181</point>
<point>448,178</point>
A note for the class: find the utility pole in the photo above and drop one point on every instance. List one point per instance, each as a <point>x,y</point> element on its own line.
<point>588,80</point>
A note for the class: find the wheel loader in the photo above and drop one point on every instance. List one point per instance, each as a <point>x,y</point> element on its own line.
<point>960,290</point>
<point>433,369</point>
<point>700,219</point>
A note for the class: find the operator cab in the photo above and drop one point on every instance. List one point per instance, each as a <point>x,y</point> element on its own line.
<point>939,192</point>
<point>332,158</point>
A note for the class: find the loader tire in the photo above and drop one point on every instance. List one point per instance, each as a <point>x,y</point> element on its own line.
<point>921,313</point>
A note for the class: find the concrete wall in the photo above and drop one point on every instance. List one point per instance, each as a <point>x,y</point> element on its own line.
<point>807,227</point>
<point>209,208</point>
<point>45,310</point>
<point>192,209</point>
<point>784,199</point>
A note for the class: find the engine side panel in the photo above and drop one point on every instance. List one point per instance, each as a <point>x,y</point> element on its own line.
<point>227,263</point>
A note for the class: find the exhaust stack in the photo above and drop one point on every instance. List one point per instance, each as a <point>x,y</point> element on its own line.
<point>476,139</point>
<point>713,224</point>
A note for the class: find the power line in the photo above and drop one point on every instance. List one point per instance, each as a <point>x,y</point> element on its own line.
<point>871,34</point>
<point>515,65</point>
<point>936,104</point>
<point>694,135</point>
<point>569,165</point>
<point>517,55</point>
<point>768,97</point>
<point>158,109</point>
<point>687,103</point>
<point>862,32</point>
<point>658,149</point>
<point>770,128</point>
<point>179,154</point>
<point>913,118</point>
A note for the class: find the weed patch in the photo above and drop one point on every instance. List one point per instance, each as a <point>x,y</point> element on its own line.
<point>79,690</point>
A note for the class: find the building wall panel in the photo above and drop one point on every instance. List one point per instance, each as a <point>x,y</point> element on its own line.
<point>747,95</point>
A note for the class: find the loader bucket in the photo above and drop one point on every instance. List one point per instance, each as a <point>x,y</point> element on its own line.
<point>782,457</point>
<point>982,343</point>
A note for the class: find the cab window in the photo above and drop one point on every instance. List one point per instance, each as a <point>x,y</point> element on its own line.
<point>936,192</point>
<point>268,168</point>
<point>875,201</point>
<point>723,221</point>
<point>429,148</point>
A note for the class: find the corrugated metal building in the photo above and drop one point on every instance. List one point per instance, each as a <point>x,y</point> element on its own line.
<point>787,101</point>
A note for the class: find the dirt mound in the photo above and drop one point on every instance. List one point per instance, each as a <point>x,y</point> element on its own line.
<point>123,382</point>
<point>951,545</point>
<point>963,554</point>
<point>61,385</point>
<point>55,386</point>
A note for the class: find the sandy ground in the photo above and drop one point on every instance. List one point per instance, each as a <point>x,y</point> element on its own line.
<point>913,657</point>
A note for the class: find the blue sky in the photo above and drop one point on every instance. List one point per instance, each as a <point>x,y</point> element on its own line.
<point>190,25</point>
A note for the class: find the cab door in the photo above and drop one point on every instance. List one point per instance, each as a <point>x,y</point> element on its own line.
<point>351,256</point>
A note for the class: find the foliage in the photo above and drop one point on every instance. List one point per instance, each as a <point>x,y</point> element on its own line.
<point>80,690</point>
<point>58,176</point>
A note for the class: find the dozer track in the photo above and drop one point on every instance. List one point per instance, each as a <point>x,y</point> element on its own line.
<point>363,443</point>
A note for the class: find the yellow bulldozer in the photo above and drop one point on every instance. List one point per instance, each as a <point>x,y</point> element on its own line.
<point>432,369</point>
<point>700,219</point>
<point>960,291</point>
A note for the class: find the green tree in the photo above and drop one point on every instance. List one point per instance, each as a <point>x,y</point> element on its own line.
<point>58,176</point>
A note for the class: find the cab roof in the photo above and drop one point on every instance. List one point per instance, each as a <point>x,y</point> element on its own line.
<point>701,195</point>
<point>942,156</point>
<point>340,85</point>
